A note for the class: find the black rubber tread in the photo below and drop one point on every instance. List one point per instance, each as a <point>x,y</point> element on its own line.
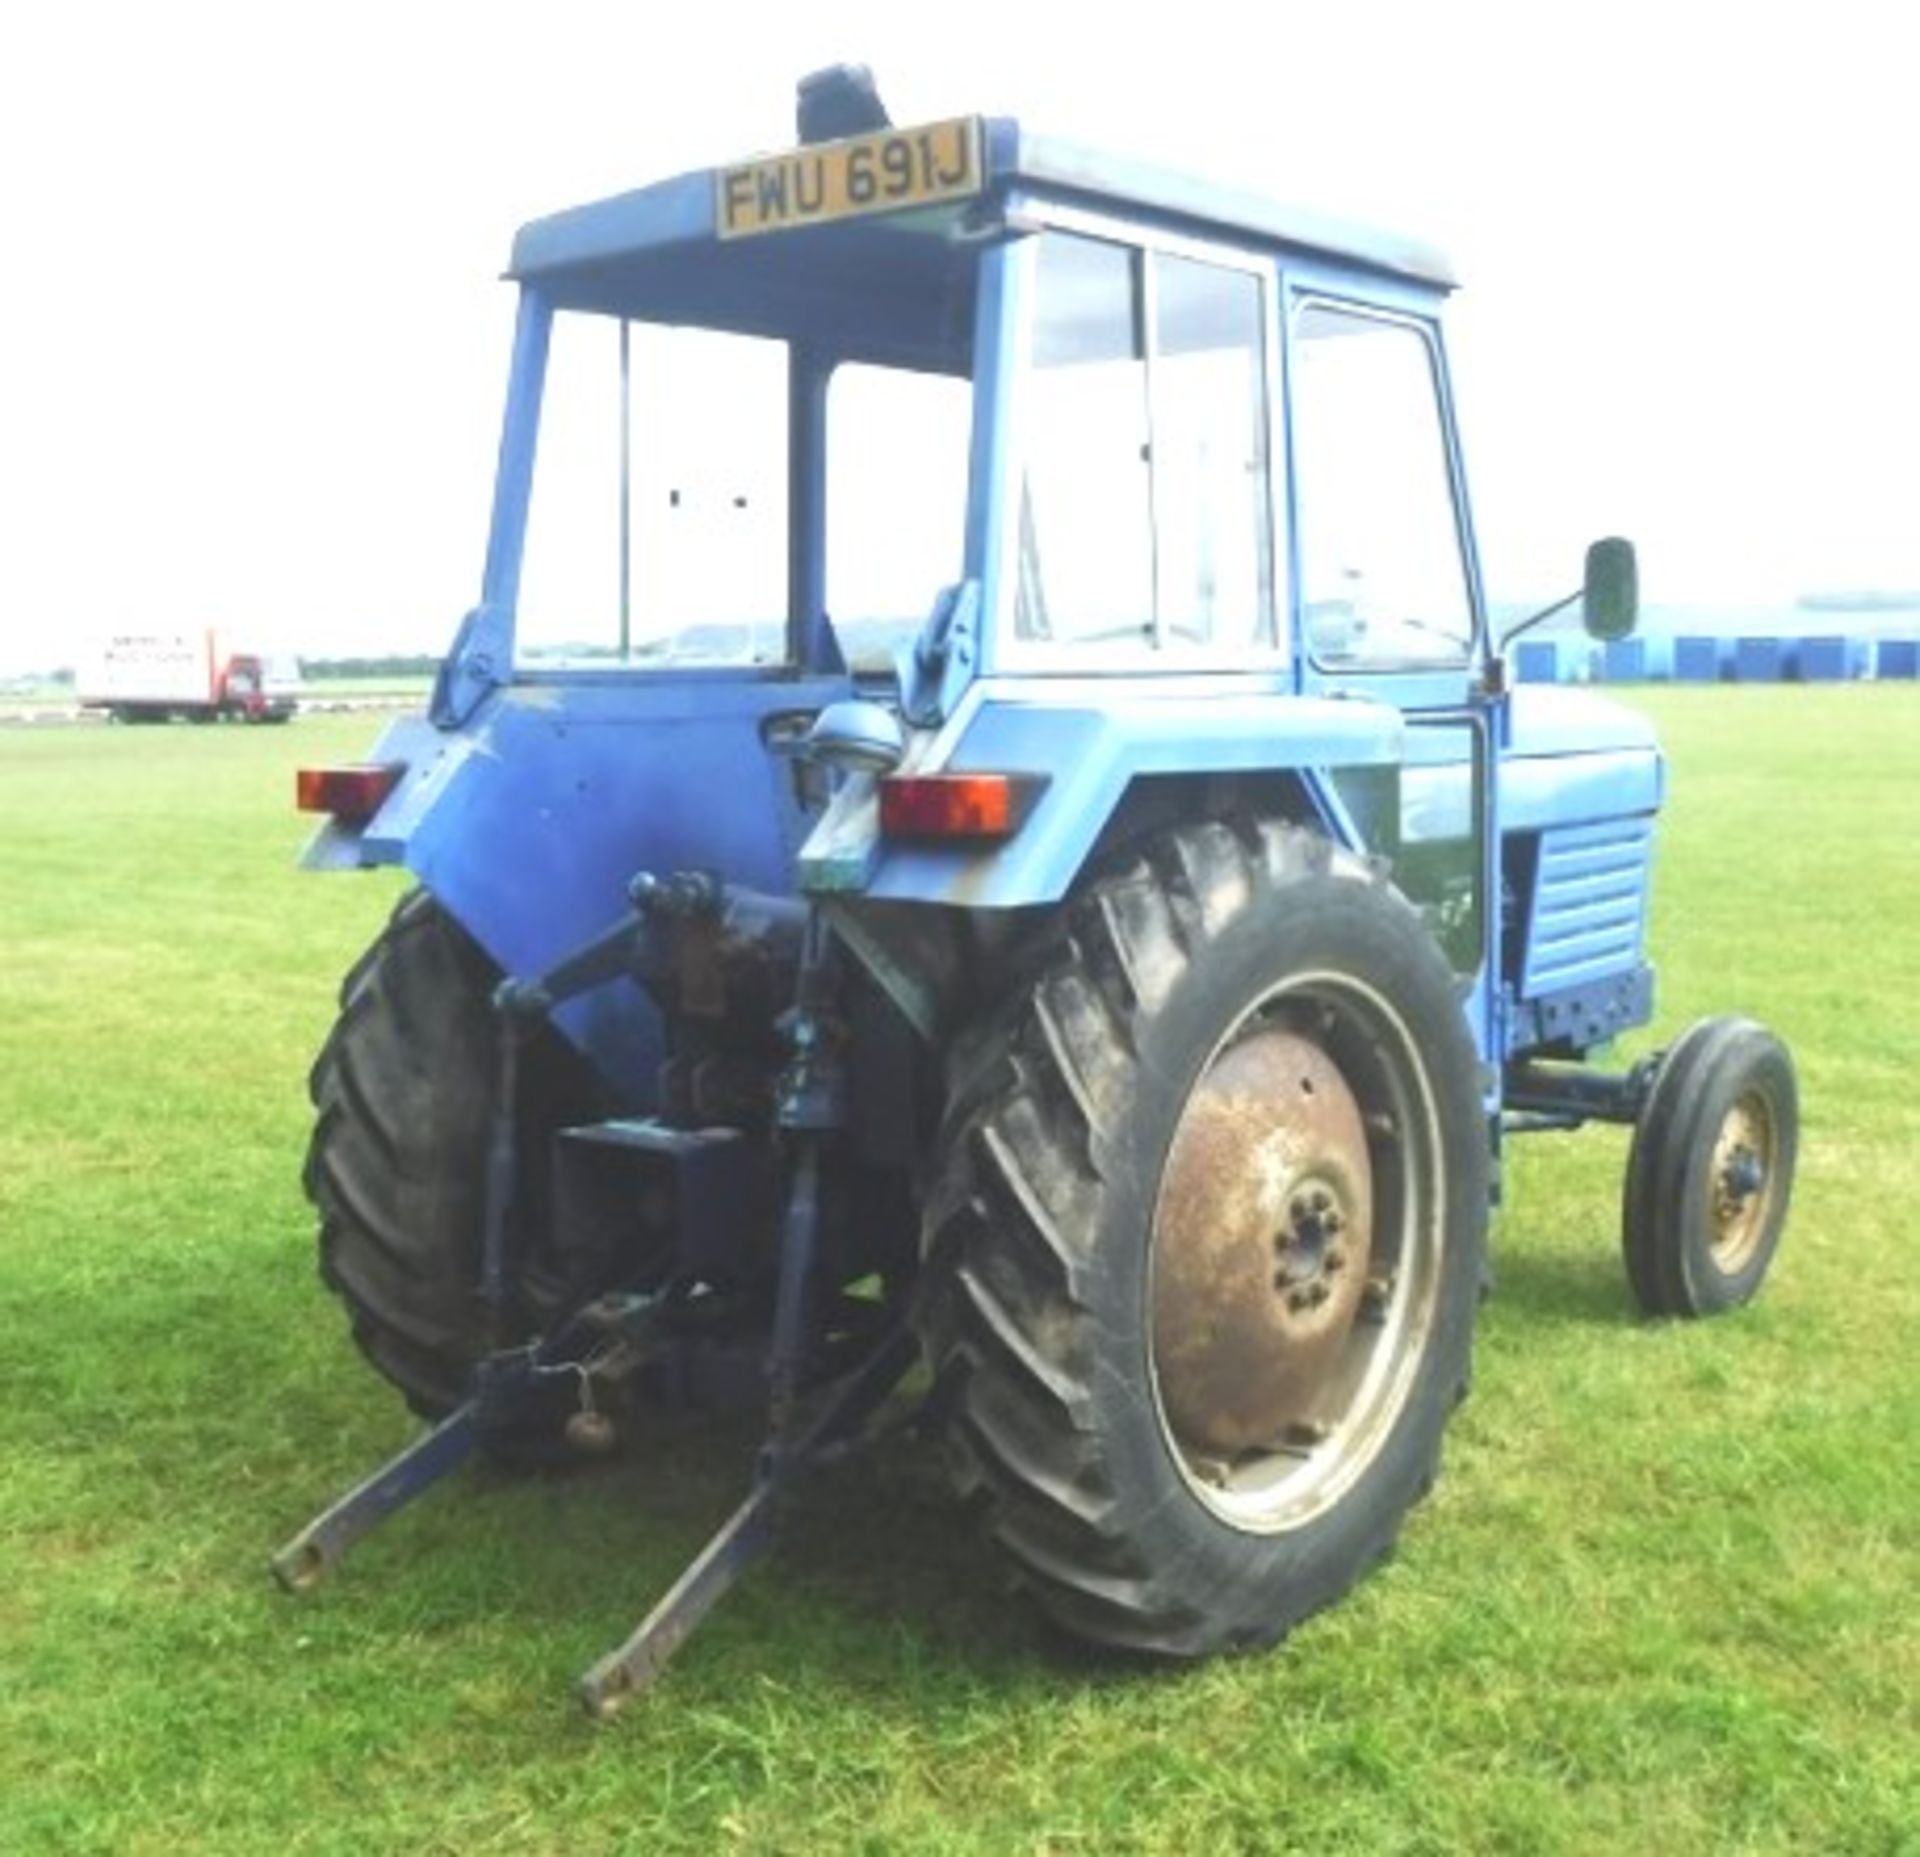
<point>1041,1367</point>
<point>402,1093</point>
<point>1664,1219</point>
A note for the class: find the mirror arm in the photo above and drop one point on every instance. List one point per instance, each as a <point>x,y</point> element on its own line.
<point>1546,612</point>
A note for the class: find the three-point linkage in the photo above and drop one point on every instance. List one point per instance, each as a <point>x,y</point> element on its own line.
<point>516,1385</point>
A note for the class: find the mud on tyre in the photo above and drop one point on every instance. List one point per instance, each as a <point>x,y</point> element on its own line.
<point>1204,1247</point>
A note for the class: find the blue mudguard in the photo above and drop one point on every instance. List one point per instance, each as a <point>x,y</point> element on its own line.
<point>527,823</point>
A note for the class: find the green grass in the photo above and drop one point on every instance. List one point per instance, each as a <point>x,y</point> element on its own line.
<point>319,688</point>
<point>1666,1595</point>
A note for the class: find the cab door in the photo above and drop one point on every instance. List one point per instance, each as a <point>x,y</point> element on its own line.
<point>1387,597</point>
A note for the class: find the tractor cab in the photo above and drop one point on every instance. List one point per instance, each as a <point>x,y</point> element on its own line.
<point>780,406</point>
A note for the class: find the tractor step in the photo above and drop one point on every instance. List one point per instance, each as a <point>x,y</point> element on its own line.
<point>606,1174</point>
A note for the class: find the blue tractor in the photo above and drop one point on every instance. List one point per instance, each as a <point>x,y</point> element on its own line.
<point>978,828</point>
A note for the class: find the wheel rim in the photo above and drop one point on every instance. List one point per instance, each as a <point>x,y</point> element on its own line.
<point>1296,1253</point>
<point>1742,1180</point>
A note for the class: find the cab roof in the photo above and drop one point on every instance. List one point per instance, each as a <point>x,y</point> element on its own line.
<point>645,233</point>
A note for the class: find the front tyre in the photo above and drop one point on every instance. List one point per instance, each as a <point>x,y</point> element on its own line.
<point>1205,1248</point>
<point>1711,1169</point>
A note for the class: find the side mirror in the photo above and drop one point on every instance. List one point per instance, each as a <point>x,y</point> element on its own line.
<point>1610,597</point>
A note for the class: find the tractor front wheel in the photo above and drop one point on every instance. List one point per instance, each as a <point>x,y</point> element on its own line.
<point>1204,1254</point>
<point>1711,1169</point>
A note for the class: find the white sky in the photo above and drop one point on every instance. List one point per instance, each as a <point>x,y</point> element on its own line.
<point>252,347</point>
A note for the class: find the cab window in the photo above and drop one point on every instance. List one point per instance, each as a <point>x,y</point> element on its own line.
<point>1382,578</point>
<point>1142,519</point>
<point>657,532</point>
<point>896,502</point>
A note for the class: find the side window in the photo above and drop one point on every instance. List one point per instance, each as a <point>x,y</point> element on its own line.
<point>896,502</point>
<point>1209,453</point>
<point>1086,514</point>
<point>1382,580</point>
<point>1143,516</point>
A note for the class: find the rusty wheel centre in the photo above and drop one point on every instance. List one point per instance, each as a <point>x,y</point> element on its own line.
<point>1284,1324</point>
<point>1262,1246</point>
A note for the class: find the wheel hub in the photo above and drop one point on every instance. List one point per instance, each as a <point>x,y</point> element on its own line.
<point>1742,1154</point>
<point>1261,1246</point>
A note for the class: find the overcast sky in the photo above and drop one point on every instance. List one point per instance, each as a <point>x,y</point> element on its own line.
<point>254,346</point>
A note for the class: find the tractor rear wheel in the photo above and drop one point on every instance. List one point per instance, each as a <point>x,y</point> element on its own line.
<point>402,1092</point>
<point>1204,1254</point>
<point>1711,1169</point>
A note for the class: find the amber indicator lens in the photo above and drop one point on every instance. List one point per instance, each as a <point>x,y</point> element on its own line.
<point>351,794</point>
<point>951,805</point>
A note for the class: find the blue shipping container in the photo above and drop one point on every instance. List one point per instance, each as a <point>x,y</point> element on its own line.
<point>1537,660</point>
<point>1760,660</point>
<point>1648,659</point>
<point>1830,658</point>
<point>1898,657</point>
<point>1699,659</point>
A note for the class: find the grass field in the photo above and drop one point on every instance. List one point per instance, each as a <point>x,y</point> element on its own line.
<point>321,689</point>
<point>1667,1594</point>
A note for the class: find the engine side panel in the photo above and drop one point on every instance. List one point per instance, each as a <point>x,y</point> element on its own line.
<point>1581,780</point>
<point>1588,915</point>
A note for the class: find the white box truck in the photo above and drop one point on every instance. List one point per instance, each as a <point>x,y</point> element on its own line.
<point>156,676</point>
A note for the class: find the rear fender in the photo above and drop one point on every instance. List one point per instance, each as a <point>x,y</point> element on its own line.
<point>528,821</point>
<point>1086,744</point>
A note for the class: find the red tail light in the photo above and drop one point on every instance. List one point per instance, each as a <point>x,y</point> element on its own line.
<point>351,794</point>
<point>952,805</point>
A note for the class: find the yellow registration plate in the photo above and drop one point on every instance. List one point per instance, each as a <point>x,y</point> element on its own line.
<point>840,180</point>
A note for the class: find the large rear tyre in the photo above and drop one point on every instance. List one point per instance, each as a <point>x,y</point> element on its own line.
<point>396,1168</point>
<point>1205,1248</point>
<point>1711,1169</point>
